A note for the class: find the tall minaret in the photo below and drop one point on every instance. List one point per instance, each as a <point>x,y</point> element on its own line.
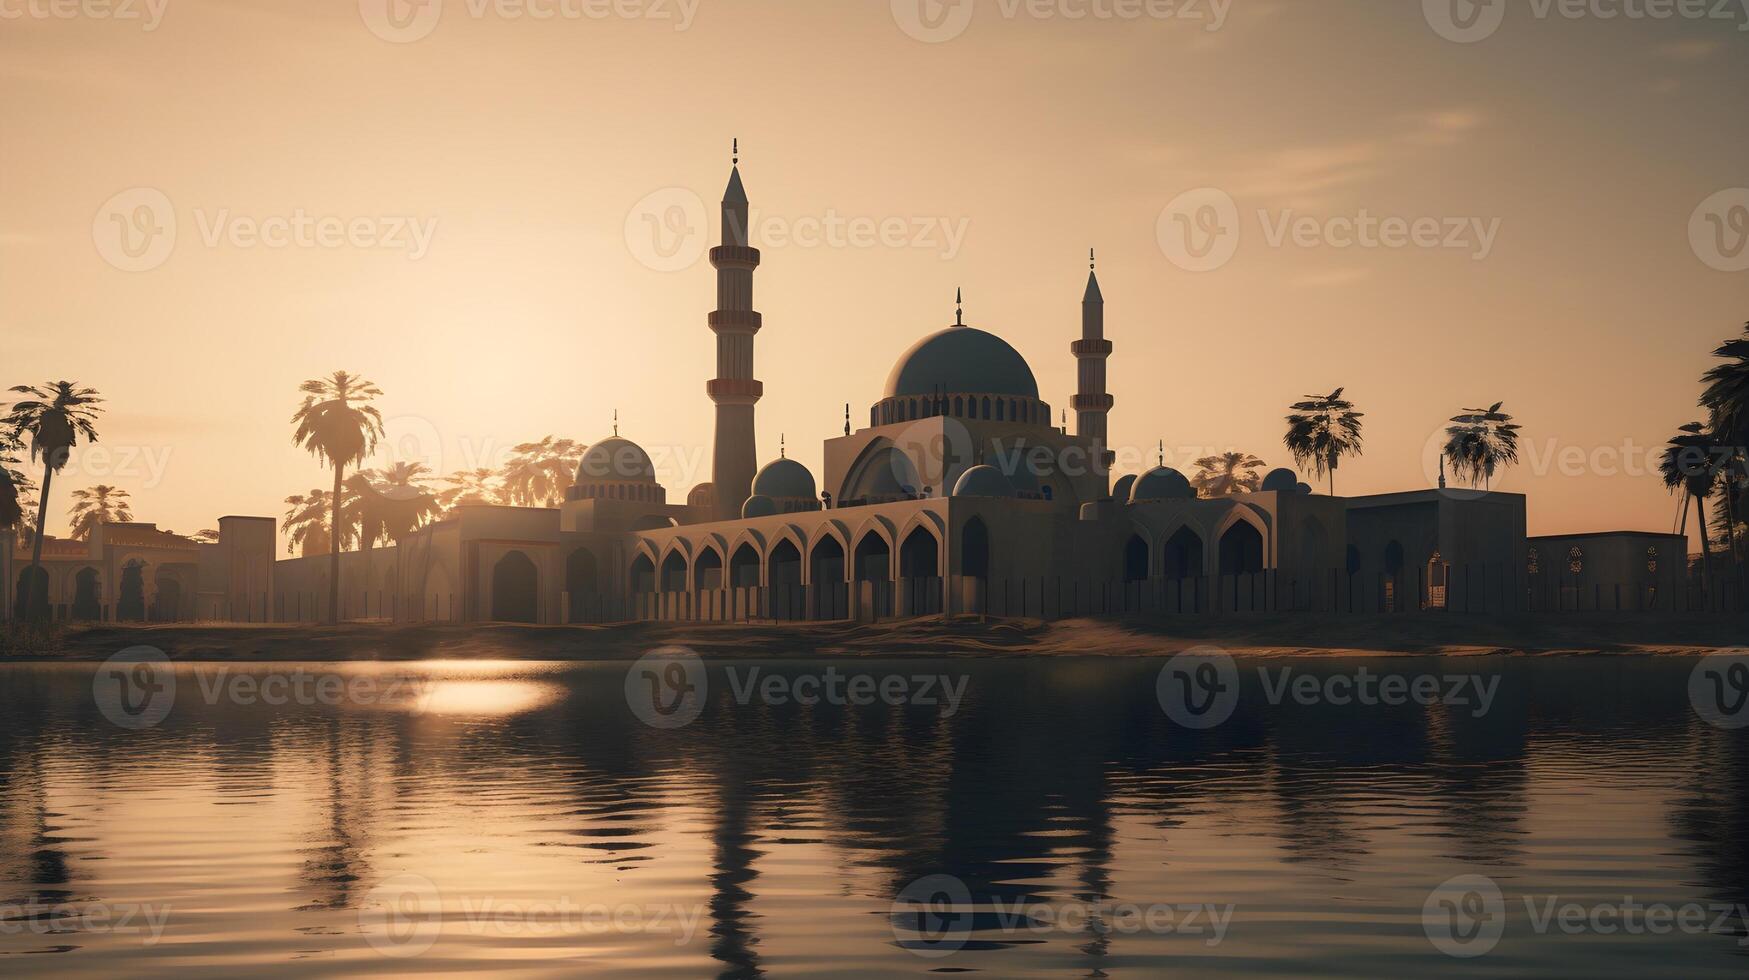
<point>734,458</point>
<point>1091,402</point>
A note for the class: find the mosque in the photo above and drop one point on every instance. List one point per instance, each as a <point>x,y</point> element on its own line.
<point>958,496</point>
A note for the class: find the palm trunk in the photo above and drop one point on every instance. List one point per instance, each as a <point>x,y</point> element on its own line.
<point>334,539</point>
<point>36,603</point>
<point>1706,550</point>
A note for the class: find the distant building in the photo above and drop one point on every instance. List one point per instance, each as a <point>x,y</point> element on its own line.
<point>958,496</point>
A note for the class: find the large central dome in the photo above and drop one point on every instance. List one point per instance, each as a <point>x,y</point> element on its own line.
<point>961,360</point>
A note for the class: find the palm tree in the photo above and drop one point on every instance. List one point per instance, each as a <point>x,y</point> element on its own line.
<point>205,536</point>
<point>56,415</point>
<point>12,484</point>
<point>102,504</point>
<point>338,425</point>
<point>400,500</point>
<point>1727,399</point>
<point>539,473</point>
<point>1688,465</point>
<point>476,486</point>
<point>1480,441</point>
<point>309,523</point>
<point>1320,431</point>
<point>1227,474</point>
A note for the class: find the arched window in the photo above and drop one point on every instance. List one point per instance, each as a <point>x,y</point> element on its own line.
<point>1241,550</point>
<point>674,572</point>
<point>1183,555</point>
<point>919,557</point>
<point>744,567</point>
<point>828,561</point>
<point>643,578</point>
<point>873,559</point>
<point>708,572</point>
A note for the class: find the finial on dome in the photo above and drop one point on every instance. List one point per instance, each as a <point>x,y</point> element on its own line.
<point>959,307</point>
<point>1162,452</point>
<point>616,423</point>
<point>782,449</point>
<point>846,418</point>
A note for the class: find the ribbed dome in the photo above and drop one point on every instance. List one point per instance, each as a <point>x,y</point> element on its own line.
<point>983,480</point>
<point>1281,481</point>
<point>783,478</point>
<point>616,460</point>
<point>1161,483</point>
<point>961,360</point>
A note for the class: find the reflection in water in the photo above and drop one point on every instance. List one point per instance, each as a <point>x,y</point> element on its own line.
<point>782,832</point>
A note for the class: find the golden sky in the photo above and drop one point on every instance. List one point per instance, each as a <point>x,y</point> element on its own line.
<point>482,186</point>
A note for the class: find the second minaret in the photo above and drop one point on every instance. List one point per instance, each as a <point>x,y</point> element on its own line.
<point>734,457</point>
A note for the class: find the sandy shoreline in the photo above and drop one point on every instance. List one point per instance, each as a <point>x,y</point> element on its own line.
<point>1449,635</point>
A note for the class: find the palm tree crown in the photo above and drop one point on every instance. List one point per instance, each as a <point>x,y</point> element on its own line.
<point>1320,431</point>
<point>539,473</point>
<point>1226,474</point>
<point>56,416</point>
<point>102,504</point>
<point>1481,441</point>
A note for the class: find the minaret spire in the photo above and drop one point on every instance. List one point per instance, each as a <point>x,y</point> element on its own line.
<point>1092,403</point>
<point>959,307</point>
<point>734,456</point>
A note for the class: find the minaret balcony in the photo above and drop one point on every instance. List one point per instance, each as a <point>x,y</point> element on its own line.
<point>733,391</point>
<point>1091,348</point>
<point>1092,402</point>
<point>736,321</point>
<point>735,257</point>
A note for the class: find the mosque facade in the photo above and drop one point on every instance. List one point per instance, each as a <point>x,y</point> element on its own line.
<point>958,496</point>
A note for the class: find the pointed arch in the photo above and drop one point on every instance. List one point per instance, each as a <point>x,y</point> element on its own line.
<point>921,551</point>
<point>1184,554</point>
<point>1135,559</point>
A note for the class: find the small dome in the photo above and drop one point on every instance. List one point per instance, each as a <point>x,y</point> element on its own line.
<point>1121,490</point>
<point>1280,481</point>
<point>1161,483</point>
<point>1304,489</point>
<point>616,460</point>
<point>759,505</point>
<point>784,478</point>
<point>983,480</point>
<point>961,360</point>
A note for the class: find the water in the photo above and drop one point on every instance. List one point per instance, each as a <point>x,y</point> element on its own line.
<point>520,818</point>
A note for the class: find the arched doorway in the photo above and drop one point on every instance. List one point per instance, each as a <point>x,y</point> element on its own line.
<point>709,569</point>
<point>166,598</point>
<point>744,568</point>
<point>1183,557</point>
<point>786,565</point>
<point>582,583</point>
<point>24,602</point>
<point>1393,575</point>
<point>828,561</point>
<point>873,559</point>
<point>919,557</point>
<point>130,606</point>
<point>515,589</point>
<point>86,604</point>
<point>643,575</point>
<point>1135,559</point>
<point>975,549</point>
<point>674,572</point>
<point>1241,550</point>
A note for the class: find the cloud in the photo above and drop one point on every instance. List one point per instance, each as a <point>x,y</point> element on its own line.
<point>1299,172</point>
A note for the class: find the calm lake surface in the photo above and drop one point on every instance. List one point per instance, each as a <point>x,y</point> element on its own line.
<point>1052,821</point>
